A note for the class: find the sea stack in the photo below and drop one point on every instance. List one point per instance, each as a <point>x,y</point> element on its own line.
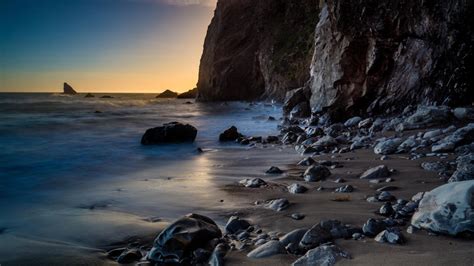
<point>167,94</point>
<point>68,89</point>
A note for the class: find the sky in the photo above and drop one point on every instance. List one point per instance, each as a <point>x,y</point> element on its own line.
<point>102,45</point>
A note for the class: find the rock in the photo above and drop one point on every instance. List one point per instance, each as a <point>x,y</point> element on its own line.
<point>89,95</point>
<point>169,133</point>
<point>274,170</point>
<point>277,204</point>
<point>391,236</point>
<point>351,122</point>
<point>372,227</point>
<point>461,136</point>
<point>129,256</point>
<point>314,237</point>
<point>386,209</point>
<point>316,173</point>
<point>465,168</point>
<point>426,116</point>
<point>217,256</point>
<point>377,125</point>
<point>325,142</point>
<point>190,94</point>
<point>345,189</point>
<point>272,139</point>
<point>253,182</point>
<point>447,209</point>
<point>325,255</point>
<point>377,172</point>
<point>106,97</point>
<point>432,133</point>
<point>235,225</point>
<point>297,188</point>
<point>301,110</point>
<point>294,236</point>
<point>443,147</point>
<point>387,188</point>
<point>434,166</point>
<point>67,89</point>
<point>385,196</point>
<point>167,94</point>
<point>306,161</point>
<point>177,242</point>
<point>387,147</point>
<point>464,113</point>
<point>407,145</point>
<point>365,123</point>
<point>270,248</point>
<point>297,216</point>
<point>230,134</point>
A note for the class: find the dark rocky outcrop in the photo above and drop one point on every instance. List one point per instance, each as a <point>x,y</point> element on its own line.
<point>371,56</point>
<point>230,134</point>
<point>169,133</point>
<point>190,94</point>
<point>257,49</point>
<point>67,89</point>
<point>167,94</point>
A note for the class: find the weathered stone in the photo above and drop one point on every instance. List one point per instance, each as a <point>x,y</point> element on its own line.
<point>253,182</point>
<point>388,146</point>
<point>447,209</point>
<point>169,133</point>
<point>464,113</point>
<point>230,134</point>
<point>277,204</point>
<point>316,173</point>
<point>351,122</point>
<point>315,237</point>
<point>235,224</point>
<point>270,248</point>
<point>464,169</point>
<point>325,255</point>
<point>372,227</point>
<point>426,116</point>
<point>380,171</point>
<point>294,236</point>
<point>391,236</point>
<point>297,188</point>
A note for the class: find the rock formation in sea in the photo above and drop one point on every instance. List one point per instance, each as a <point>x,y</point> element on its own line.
<point>256,49</point>
<point>67,89</point>
<point>371,56</point>
<point>190,94</point>
<point>167,94</point>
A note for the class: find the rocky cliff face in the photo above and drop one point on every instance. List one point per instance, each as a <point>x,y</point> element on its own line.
<point>257,49</point>
<point>378,56</point>
<point>367,55</point>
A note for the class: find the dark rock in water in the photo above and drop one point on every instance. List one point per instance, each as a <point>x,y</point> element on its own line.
<point>380,171</point>
<point>129,256</point>
<point>277,204</point>
<point>169,133</point>
<point>324,255</point>
<point>89,95</point>
<point>314,237</point>
<point>235,224</point>
<point>274,170</point>
<point>167,94</point>
<point>230,134</point>
<point>372,227</point>
<point>177,242</point>
<point>295,97</point>
<point>272,139</point>
<point>67,89</point>
<point>270,248</point>
<point>217,256</point>
<point>253,182</point>
<point>106,97</point>
<point>464,169</point>
<point>190,94</point>
<point>306,161</point>
<point>345,189</point>
<point>447,209</point>
<point>316,173</point>
<point>390,235</point>
<point>297,216</point>
<point>297,188</point>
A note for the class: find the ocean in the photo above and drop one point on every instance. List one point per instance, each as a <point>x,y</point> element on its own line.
<point>73,171</point>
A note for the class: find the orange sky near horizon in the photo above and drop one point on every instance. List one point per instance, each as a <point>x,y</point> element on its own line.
<point>161,53</point>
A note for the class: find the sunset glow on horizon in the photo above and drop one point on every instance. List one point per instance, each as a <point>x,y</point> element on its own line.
<point>102,45</point>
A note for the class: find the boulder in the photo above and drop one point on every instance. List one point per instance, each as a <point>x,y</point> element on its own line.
<point>230,134</point>
<point>190,94</point>
<point>253,182</point>
<point>447,209</point>
<point>390,235</point>
<point>294,98</point>
<point>354,121</point>
<point>294,236</point>
<point>388,146</point>
<point>235,225</point>
<point>167,94</point>
<point>325,255</point>
<point>169,133</point>
<point>67,89</point>
<point>461,136</point>
<point>316,173</point>
<point>177,242</point>
<point>270,248</point>
<point>373,226</point>
<point>314,237</point>
<point>464,113</point>
<point>217,256</point>
<point>427,116</point>
<point>277,204</point>
<point>274,170</point>
<point>297,188</point>
<point>380,171</point>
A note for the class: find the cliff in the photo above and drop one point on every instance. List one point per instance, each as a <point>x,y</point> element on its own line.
<point>353,56</point>
<point>256,49</point>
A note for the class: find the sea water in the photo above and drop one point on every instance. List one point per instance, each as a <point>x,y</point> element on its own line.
<point>72,169</point>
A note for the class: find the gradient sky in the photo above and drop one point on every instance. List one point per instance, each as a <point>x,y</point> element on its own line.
<point>102,45</point>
